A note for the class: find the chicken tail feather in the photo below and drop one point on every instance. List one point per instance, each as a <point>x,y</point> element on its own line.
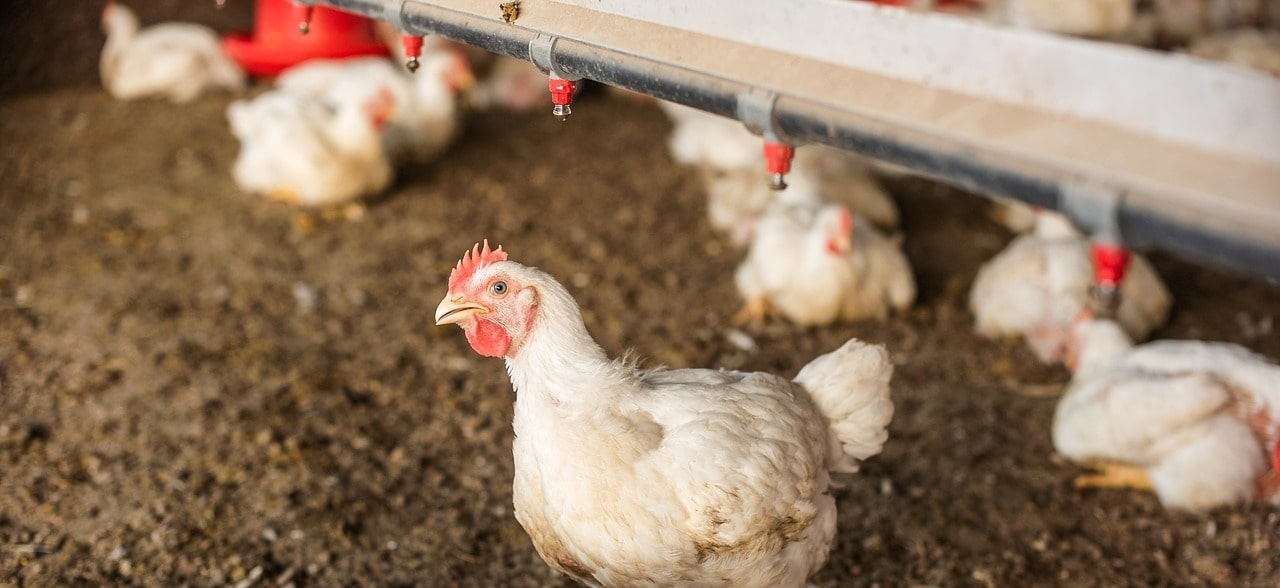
<point>850,386</point>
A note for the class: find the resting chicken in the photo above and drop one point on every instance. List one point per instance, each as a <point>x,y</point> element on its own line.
<point>1037,285</point>
<point>307,151</point>
<point>1195,422</point>
<point>817,265</point>
<point>687,477</point>
<point>174,60</point>
<point>1250,48</point>
<point>731,160</point>
<point>426,119</point>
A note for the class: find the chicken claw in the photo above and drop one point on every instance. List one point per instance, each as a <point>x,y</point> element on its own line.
<point>754,312</point>
<point>354,211</point>
<point>1119,476</point>
<point>351,211</point>
<point>305,222</point>
<point>283,194</point>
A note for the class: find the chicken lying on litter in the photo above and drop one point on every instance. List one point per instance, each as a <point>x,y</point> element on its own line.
<point>303,150</point>
<point>737,198</point>
<point>847,179</point>
<point>1015,215</point>
<point>703,139</point>
<point>687,477</point>
<point>173,60</point>
<point>821,264</point>
<point>1177,22</point>
<point>732,164</point>
<point>1249,47</point>
<point>511,84</point>
<point>426,119</point>
<point>1086,18</point>
<point>1037,285</point>
<point>1196,422</point>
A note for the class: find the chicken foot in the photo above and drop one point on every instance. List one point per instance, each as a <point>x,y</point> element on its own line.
<point>1117,476</point>
<point>282,194</point>
<point>754,311</point>
<point>306,221</point>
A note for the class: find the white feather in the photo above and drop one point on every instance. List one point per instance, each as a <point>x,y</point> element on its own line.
<point>426,118</point>
<point>300,148</point>
<point>789,264</point>
<point>1199,417</point>
<point>177,61</point>
<point>680,477</point>
<point>1037,286</point>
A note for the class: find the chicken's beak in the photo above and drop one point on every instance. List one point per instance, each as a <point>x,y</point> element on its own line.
<point>840,245</point>
<point>454,309</point>
<point>841,240</point>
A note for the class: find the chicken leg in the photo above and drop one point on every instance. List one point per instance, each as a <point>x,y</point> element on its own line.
<point>282,194</point>
<point>307,220</point>
<point>1116,475</point>
<point>754,311</point>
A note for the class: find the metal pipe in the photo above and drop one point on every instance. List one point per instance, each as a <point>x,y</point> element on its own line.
<point>1141,221</point>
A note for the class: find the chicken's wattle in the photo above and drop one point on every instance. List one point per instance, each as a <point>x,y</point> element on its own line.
<point>488,338</point>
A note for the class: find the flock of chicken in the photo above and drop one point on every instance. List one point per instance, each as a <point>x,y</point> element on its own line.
<point>663,477</point>
<point>330,132</point>
<point>1235,31</point>
<point>817,262</point>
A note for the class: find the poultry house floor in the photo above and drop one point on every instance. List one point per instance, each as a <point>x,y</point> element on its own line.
<point>199,388</point>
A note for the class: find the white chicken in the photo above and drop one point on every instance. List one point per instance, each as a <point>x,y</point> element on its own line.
<point>737,198</point>
<point>1250,48</point>
<point>1197,423</point>
<point>706,140</point>
<point>303,150</point>
<point>1087,18</point>
<point>1185,21</point>
<point>688,477</point>
<point>820,264</point>
<point>426,119</point>
<point>847,179</point>
<point>511,84</point>
<point>700,138</point>
<point>1015,215</point>
<point>1037,285</point>
<point>732,163</point>
<point>173,60</point>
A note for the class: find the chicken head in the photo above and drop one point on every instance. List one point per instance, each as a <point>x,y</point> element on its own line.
<point>381,108</point>
<point>458,74</point>
<point>490,302</point>
<point>836,223</point>
<point>118,19</point>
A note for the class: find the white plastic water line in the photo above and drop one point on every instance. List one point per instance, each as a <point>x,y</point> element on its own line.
<point>1163,150</point>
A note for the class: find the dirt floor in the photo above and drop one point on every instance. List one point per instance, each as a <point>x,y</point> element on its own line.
<point>196,391</point>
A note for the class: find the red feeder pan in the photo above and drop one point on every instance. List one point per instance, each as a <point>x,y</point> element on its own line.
<point>277,43</point>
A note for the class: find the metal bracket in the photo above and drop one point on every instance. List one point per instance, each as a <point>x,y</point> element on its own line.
<point>755,110</point>
<point>542,50</point>
<point>1095,207</point>
<point>394,15</point>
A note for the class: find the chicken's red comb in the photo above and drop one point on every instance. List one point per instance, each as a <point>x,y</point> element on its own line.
<point>474,260</point>
<point>846,222</point>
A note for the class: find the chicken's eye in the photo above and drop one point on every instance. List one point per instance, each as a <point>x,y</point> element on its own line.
<point>498,288</point>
